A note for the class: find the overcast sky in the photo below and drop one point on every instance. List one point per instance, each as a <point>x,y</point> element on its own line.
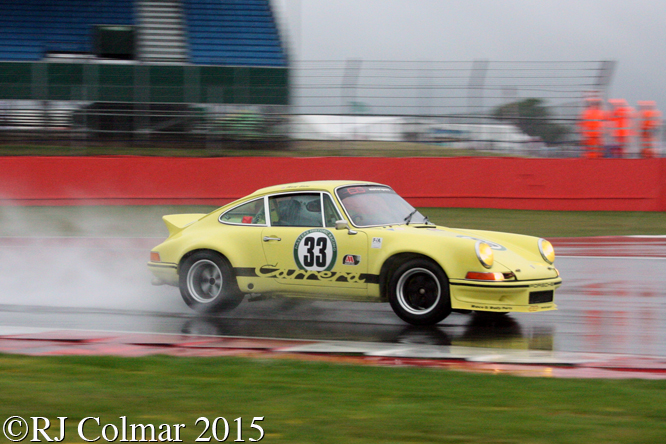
<point>632,33</point>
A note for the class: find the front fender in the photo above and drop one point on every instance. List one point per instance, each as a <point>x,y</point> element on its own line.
<point>455,255</point>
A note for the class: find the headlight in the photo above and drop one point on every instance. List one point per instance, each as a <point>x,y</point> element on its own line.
<point>484,253</point>
<point>547,251</point>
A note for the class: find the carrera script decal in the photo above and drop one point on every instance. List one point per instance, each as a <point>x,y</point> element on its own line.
<point>269,271</point>
<point>315,250</point>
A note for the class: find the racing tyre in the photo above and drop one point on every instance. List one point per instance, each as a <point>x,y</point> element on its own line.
<point>207,283</point>
<point>419,292</point>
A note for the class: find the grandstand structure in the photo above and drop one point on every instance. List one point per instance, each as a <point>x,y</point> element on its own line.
<point>75,72</point>
<point>167,55</point>
<point>203,32</point>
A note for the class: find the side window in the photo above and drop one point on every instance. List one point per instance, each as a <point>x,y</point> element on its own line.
<point>296,210</point>
<point>330,212</point>
<point>251,213</point>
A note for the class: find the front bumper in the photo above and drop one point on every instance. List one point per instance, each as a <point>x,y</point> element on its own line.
<point>505,296</point>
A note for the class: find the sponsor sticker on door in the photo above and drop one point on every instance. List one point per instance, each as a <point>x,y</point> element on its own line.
<point>351,259</point>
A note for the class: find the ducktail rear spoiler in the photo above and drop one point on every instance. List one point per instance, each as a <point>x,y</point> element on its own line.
<point>175,223</point>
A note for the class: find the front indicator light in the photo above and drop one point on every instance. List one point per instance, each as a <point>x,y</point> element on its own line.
<point>484,253</point>
<point>154,256</point>
<point>547,251</point>
<point>477,276</point>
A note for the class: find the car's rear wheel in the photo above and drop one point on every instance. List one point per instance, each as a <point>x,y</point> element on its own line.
<point>419,292</point>
<point>207,283</point>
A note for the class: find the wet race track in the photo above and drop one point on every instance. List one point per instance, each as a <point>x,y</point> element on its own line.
<point>613,300</point>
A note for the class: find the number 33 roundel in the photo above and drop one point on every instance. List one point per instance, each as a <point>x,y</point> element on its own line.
<point>315,250</point>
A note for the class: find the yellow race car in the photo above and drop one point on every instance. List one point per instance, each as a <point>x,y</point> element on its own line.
<point>350,241</point>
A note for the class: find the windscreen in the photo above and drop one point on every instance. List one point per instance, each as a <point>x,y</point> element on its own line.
<point>369,205</point>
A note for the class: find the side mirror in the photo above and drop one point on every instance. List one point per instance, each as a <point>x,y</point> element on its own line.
<point>344,225</point>
<point>341,225</point>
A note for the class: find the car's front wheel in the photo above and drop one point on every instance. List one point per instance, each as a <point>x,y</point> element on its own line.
<point>207,283</point>
<point>418,292</point>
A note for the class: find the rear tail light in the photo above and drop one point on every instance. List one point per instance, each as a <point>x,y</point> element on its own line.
<point>154,256</point>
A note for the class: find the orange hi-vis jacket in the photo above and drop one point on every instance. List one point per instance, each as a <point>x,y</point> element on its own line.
<point>621,121</point>
<point>650,122</point>
<point>592,124</point>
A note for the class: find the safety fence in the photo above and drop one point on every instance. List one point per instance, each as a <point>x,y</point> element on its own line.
<point>514,183</point>
<point>347,107</point>
<point>218,129</point>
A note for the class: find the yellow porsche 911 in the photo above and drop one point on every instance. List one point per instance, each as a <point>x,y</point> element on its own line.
<point>351,241</point>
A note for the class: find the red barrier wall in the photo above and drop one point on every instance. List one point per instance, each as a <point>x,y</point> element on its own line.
<point>541,184</point>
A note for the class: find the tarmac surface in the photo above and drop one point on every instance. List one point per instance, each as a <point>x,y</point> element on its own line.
<point>93,296</point>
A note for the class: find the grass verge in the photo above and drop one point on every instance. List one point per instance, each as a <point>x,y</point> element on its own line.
<point>552,223</point>
<point>314,402</point>
<point>142,221</point>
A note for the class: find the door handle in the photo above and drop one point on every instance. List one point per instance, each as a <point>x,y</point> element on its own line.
<point>271,238</point>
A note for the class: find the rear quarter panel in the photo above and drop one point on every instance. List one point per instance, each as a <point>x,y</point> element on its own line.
<point>240,244</point>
